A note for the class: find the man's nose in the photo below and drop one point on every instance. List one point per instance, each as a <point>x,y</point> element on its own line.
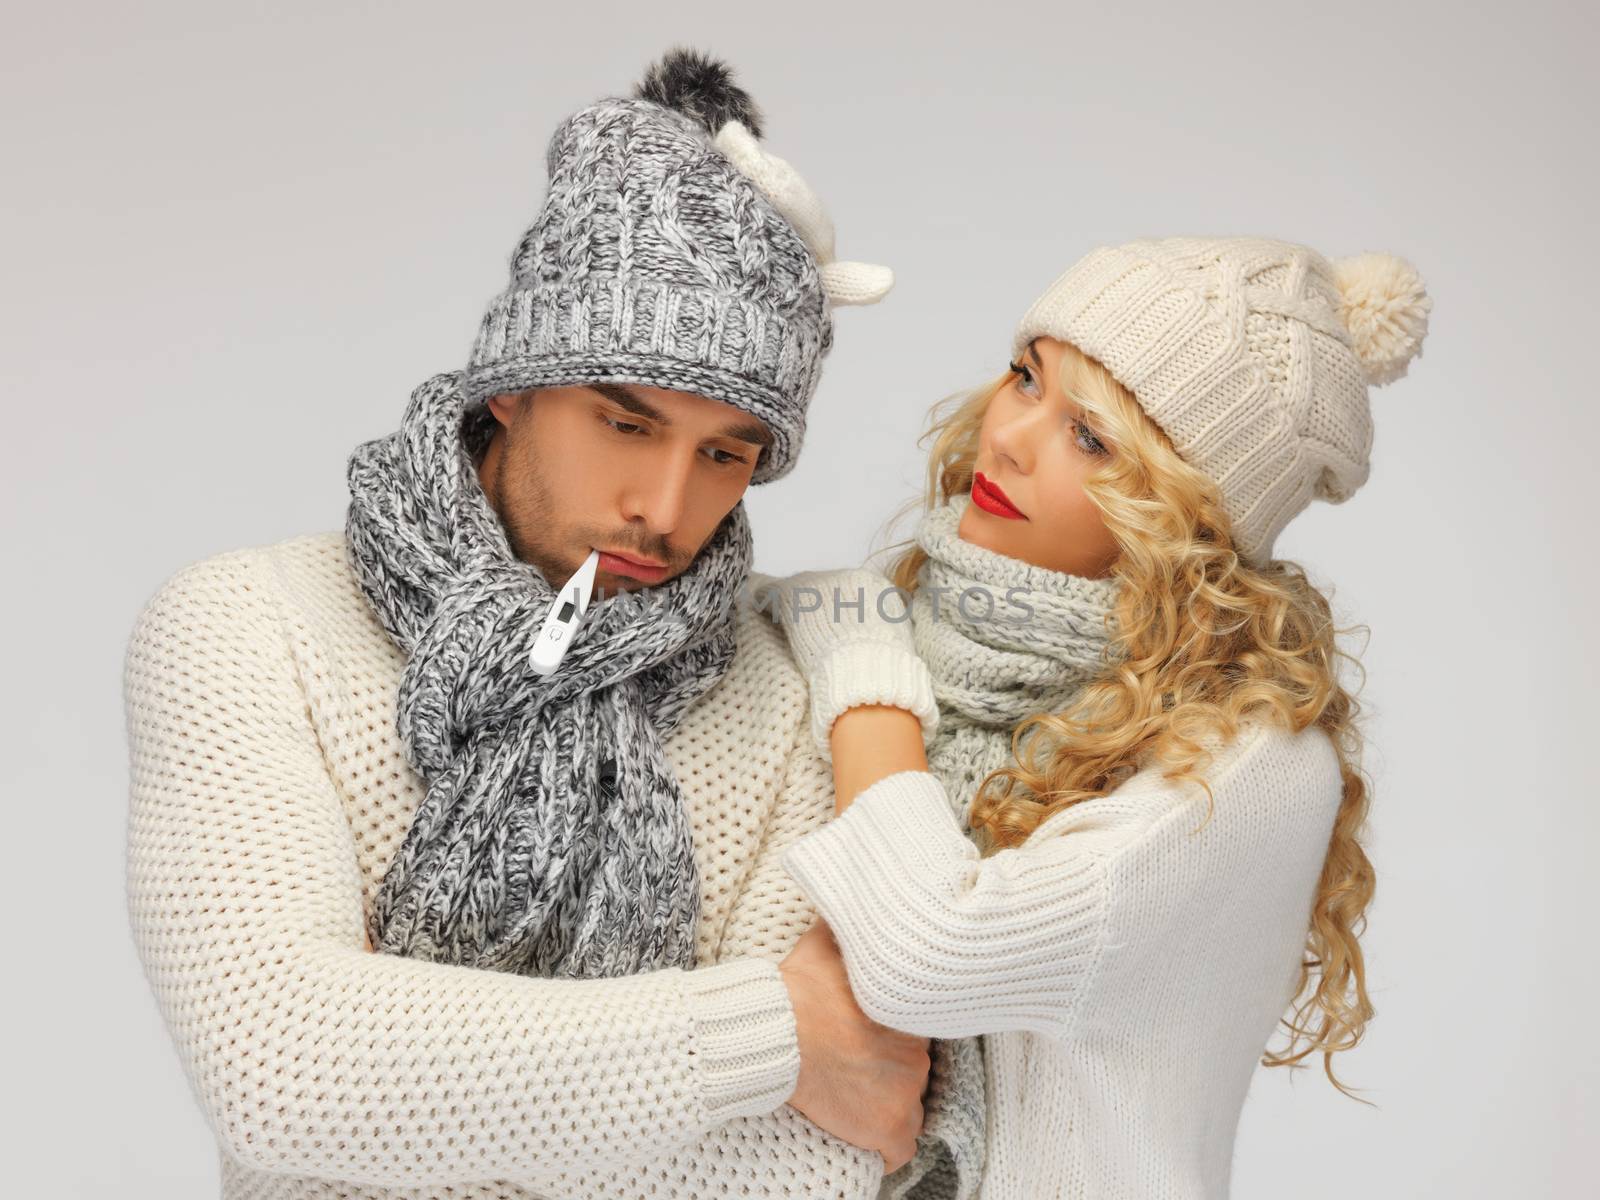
<point>657,493</point>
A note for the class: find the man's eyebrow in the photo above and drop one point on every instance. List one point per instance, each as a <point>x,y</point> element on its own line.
<point>753,432</point>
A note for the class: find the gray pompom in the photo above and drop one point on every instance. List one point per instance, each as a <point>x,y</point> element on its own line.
<point>701,87</point>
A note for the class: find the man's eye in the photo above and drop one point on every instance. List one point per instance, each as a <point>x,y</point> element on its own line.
<point>621,426</point>
<point>728,457</point>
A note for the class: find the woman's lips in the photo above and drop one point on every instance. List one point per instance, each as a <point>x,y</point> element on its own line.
<point>615,564</point>
<point>986,494</point>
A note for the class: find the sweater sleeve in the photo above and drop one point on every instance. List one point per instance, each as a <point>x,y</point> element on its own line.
<point>311,1055</point>
<point>941,942</point>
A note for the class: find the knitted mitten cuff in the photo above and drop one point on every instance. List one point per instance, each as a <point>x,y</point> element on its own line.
<point>851,647</point>
<point>869,672</point>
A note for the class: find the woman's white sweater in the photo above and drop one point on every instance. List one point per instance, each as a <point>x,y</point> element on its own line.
<point>269,793</point>
<point>1128,963</point>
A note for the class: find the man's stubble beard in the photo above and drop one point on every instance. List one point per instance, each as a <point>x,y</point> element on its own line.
<point>517,524</point>
<point>537,509</point>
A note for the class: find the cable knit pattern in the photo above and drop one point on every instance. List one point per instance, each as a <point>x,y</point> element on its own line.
<point>269,792</point>
<point>655,259</point>
<point>1253,355</point>
<point>1126,965</point>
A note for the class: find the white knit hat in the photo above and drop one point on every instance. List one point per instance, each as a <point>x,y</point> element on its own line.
<point>1253,355</point>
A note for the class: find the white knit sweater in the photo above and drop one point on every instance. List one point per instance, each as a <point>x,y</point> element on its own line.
<point>1126,965</point>
<point>268,794</point>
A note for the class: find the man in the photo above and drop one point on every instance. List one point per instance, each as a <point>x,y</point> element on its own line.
<point>423,921</point>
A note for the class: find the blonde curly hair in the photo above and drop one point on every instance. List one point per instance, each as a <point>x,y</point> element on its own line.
<point>1206,641</point>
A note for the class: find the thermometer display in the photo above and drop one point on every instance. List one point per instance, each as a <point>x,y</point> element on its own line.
<point>566,616</point>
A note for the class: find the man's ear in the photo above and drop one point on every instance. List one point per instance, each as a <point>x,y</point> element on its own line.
<point>508,406</point>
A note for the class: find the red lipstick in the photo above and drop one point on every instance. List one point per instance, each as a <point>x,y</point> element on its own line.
<point>631,568</point>
<point>986,494</point>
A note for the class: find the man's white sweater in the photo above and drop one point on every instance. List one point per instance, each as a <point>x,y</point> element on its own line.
<point>269,793</point>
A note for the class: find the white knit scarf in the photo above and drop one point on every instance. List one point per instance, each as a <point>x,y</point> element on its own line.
<point>1003,639</point>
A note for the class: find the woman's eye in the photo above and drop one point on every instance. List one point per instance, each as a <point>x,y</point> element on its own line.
<point>1085,434</point>
<point>1025,375</point>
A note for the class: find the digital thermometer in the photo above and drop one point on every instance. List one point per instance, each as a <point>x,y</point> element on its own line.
<point>565,615</point>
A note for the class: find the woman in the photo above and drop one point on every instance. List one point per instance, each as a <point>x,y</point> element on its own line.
<point>1130,707</point>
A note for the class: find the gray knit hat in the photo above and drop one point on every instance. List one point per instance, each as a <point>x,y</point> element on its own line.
<point>672,251</point>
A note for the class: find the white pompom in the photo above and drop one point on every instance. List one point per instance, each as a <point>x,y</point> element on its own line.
<point>1385,306</point>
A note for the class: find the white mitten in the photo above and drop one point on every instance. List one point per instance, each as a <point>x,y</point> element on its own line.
<point>850,632</point>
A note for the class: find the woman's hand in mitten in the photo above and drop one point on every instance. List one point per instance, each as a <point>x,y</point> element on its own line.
<point>850,633</point>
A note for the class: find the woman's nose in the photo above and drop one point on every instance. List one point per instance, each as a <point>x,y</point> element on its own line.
<point>1014,441</point>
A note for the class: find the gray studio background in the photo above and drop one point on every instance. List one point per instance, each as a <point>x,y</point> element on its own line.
<point>236,236</point>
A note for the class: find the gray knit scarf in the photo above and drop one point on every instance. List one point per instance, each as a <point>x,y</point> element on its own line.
<point>553,838</point>
<point>997,655</point>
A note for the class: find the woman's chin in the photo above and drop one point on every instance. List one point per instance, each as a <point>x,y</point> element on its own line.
<point>986,530</point>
